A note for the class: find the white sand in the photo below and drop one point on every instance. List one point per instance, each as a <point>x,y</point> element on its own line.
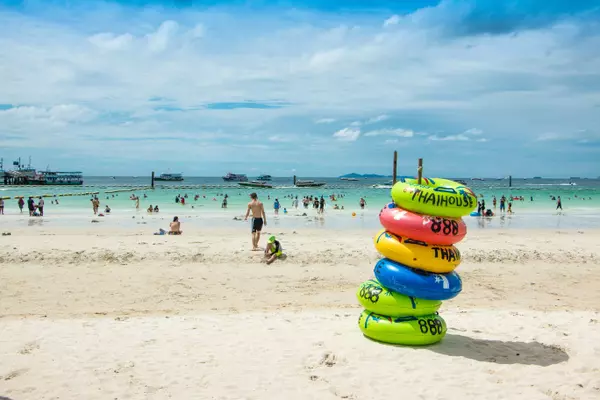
<point>100,314</point>
<point>308,355</point>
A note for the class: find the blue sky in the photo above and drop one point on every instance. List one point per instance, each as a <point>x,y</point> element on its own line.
<point>476,88</point>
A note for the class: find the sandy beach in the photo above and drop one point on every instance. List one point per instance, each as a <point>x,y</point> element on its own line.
<point>98,313</point>
<point>141,143</point>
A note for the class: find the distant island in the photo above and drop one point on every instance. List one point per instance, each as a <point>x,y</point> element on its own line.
<point>355,175</point>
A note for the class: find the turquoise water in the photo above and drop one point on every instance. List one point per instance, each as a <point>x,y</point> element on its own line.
<point>580,197</point>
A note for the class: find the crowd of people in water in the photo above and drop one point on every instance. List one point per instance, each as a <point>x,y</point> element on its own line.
<point>507,203</point>
<point>318,203</point>
<point>35,209</point>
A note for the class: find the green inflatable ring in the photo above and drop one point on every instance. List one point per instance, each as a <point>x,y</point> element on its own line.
<point>434,196</point>
<point>376,298</point>
<point>412,331</point>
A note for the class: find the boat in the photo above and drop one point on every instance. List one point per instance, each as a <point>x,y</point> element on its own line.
<point>29,176</point>
<point>307,183</point>
<point>235,177</point>
<point>256,184</point>
<point>477,179</point>
<point>384,185</point>
<point>169,177</point>
<point>537,177</point>
<point>264,178</point>
<point>381,186</point>
<point>59,178</point>
<point>350,179</point>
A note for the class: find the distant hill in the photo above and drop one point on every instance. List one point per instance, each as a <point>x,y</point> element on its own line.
<point>355,175</point>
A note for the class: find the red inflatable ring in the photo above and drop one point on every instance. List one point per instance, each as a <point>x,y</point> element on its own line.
<point>429,229</point>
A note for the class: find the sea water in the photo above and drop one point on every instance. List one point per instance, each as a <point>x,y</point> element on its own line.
<point>580,200</point>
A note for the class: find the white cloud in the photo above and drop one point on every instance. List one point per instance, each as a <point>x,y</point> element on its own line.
<point>112,60</point>
<point>459,137</point>
<point>549,136</point>
<point>197,31</point>
<point>391,141</point>
<point>280,139</point>
<point>356,123</point>
<point>347,134</point>
<point>110,41</point>
<point>325,120</point>
<point>159,40</point>
<point>406,133</point>
<point>323,60</point>
<point>378,118</point>
<point>578,136</point>
<point>63,113</point>
<point>393,20</point>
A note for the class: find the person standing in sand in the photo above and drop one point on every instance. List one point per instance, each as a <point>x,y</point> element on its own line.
<point>41,206</point>
<point>259,219</point>
<point>31,206</point>
<point>95,205</point>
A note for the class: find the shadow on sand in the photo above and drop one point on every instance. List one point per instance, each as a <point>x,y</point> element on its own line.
<point>499,352</point>
<point>5,398</point>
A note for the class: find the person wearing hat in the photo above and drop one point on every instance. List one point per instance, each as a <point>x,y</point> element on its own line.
<point>273,250</point>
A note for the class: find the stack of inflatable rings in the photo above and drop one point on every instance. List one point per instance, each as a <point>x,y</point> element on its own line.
<point>417,273</point>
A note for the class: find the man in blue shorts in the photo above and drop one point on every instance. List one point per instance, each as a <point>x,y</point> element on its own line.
<point>258,219</point>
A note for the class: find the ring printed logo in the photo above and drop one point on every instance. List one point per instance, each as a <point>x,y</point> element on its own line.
<point>448,254</point>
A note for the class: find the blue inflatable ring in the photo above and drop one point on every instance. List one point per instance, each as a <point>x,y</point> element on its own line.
<point>416,283</point>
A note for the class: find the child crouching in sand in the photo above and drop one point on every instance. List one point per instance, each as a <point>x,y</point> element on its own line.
<point>273,250</point>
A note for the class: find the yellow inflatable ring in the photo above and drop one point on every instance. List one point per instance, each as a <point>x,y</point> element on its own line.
<point>434,196</point>
<point>412,331</point>
<point>416,254</point>
<point>373,296</point>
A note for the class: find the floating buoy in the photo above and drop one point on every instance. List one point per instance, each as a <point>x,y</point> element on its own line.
<point>354,214</point>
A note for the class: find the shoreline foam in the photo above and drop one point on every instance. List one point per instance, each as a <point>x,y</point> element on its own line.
<point>294,219</point>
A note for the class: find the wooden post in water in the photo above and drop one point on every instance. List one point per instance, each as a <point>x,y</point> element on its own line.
<point>394,172</point>
<point>152,183</point>
<point>510,181</point>
<point>420,171</point>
